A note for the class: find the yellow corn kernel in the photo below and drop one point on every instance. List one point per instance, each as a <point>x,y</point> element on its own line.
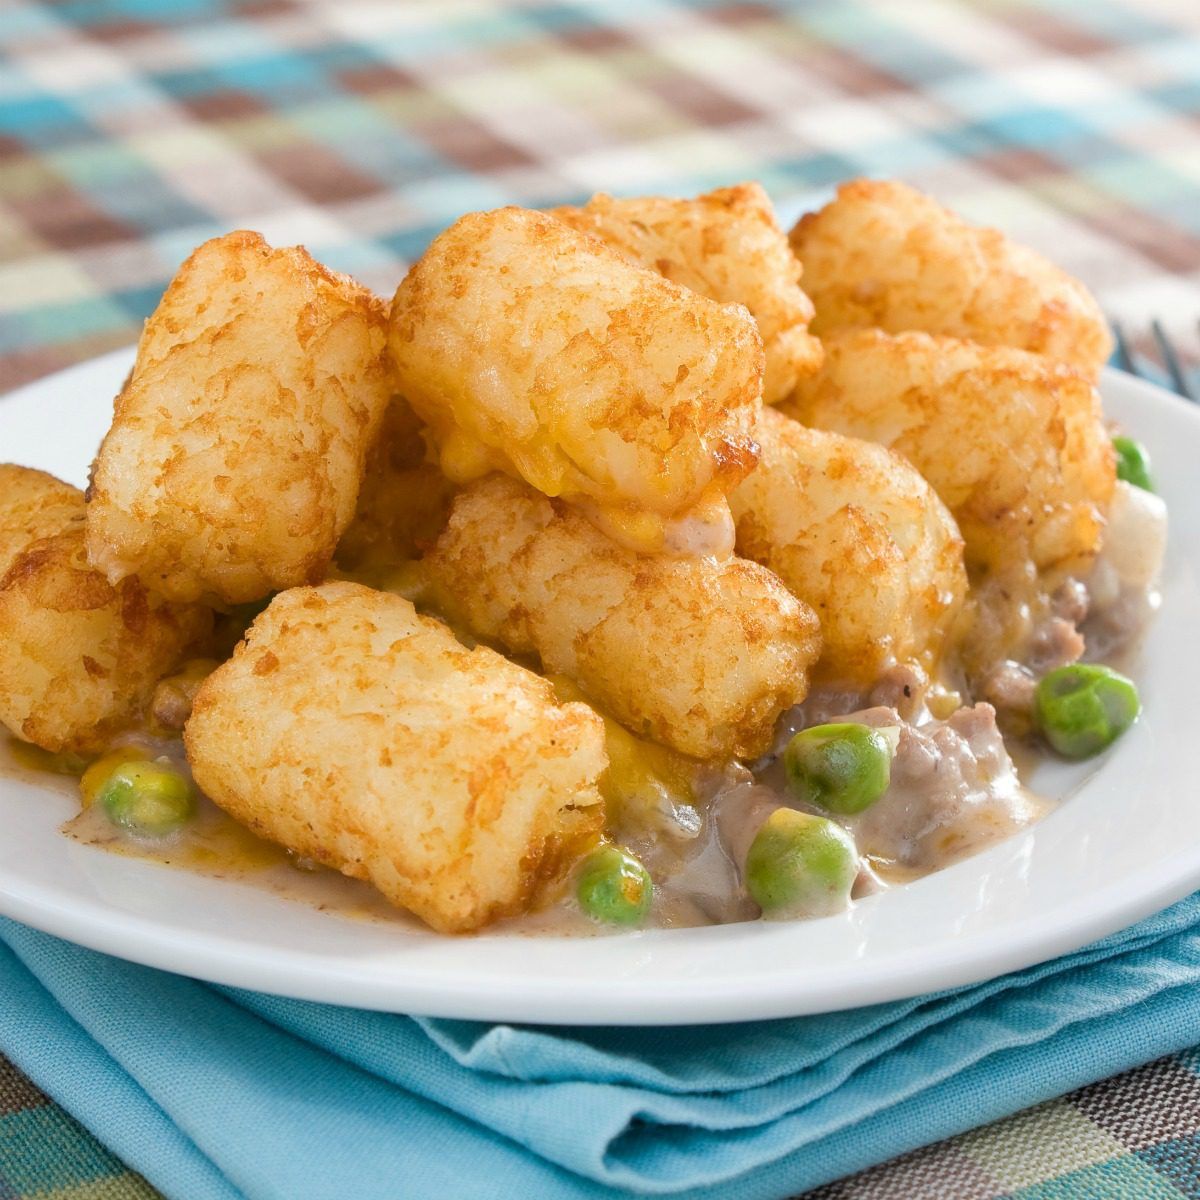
<point>96,776</point>
<point>942,701</point>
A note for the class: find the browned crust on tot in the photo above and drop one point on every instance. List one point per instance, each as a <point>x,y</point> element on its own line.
<point>79,657</point>
<point>33,505</point>
<point>883,255</point>
<point>726,245</point>
<point>237,445</point>
<point>1013,443</point>
<point>697,654</point>
<point>358,733</point>
<point>856,532</point>
<point>532,348</point>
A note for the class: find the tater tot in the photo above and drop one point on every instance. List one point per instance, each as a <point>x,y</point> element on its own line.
<point>33,505</point>
<point>726,245</point>
<point>884,255</point>
<point>1012,442</point>
<point>855,532</point>
<point>79,657</point>
<point>534,349</point>
<point>360,734</point>
<point>697,654</point>
<point>403,501</point>
<point>237,445</point>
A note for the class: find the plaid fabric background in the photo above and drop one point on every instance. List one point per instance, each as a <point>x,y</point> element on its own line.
<point>131,130</point>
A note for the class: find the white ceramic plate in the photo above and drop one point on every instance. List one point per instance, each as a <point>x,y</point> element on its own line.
<point>1125,842</point>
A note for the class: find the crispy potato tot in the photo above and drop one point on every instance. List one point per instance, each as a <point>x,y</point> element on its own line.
<point>725,245</point>
<point>855,532</point>
<point>360,734</point>
<point>33,505</point>
<point>79,657</point>
<point>1013,443</point>
<point>884,255</point>
<point>404,499</point>
<point>697,654</point>
<point>237,447</point>
<point>534,349</point>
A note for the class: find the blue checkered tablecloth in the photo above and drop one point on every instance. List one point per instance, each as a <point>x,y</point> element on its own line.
<point>130,130</point>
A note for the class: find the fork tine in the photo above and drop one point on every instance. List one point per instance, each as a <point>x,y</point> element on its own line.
<point>1124,360</point>
<point>1179,381</point>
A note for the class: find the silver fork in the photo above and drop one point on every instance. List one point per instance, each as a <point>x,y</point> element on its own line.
<point>1124,359</point>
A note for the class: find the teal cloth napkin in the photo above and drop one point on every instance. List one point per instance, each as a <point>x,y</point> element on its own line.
<point>215,1093</point>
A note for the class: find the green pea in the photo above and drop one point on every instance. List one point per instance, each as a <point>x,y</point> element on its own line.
<point>800,865</point>
<point>1082,709</point>
<point>1133,463</point>
<point>148,798</point>
<point>842,768</point>
<point>614,887</point>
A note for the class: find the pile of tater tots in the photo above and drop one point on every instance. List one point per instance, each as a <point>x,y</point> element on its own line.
<point>482,596</point>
